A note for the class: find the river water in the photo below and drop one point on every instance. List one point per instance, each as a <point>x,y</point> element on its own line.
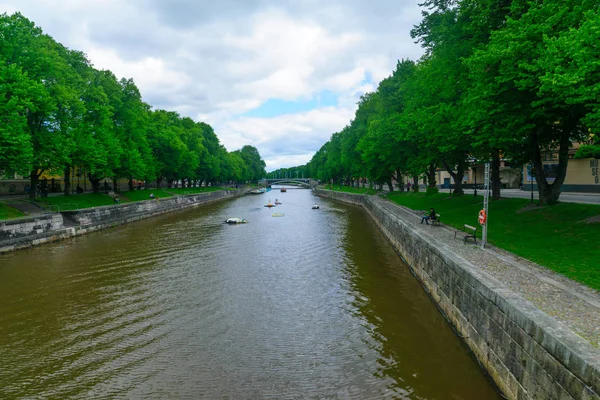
<point>314,304</point>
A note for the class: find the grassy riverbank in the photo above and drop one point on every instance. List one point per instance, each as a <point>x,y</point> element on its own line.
<point>88,200</point>
<point>563,237</point>
<point>350,189</point>
<point>7,212</point>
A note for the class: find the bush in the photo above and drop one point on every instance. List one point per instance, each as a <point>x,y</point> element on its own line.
<point>432,190</point>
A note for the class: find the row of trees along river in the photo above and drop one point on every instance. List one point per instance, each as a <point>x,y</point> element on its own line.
<point>57,112</point>
<point>508,79</point>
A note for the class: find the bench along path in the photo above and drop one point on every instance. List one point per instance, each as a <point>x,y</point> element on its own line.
<point>569,302</point>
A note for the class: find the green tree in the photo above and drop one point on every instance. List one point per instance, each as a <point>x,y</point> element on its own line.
<point>510,72</point>
<point>56,106</point>
<point>18,95</point>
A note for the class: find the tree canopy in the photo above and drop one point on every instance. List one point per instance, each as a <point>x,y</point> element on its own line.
<point>510,79</point>
<point>59,113</point>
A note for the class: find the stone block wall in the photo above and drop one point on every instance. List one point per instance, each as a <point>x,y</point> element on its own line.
<point>528,354</point>
<point>122,213</point>
<point>26,232</point>
<point>21,227</point>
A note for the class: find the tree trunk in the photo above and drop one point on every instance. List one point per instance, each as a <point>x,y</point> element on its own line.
<point>495,169</point>
<point>34,181</point>
<point>390,185</point>
<point>67,188</point>
<point>170,183</point>
<point>549,193</point>
<point>431,182</point>
<point>116,188</point>
<point>457,177</point>
<point>158,180</point>
<point>95,181</point>
<point>130,183</point>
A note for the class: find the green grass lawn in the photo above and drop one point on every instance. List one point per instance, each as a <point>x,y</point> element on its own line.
<point>139,195</point>
<point>84,200</point>
<point>87,200</point>
<point>556,237</point>
<point>350,189</point>
<point>7,212</point>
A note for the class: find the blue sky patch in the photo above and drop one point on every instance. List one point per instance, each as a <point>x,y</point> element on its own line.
<point>275,107</point>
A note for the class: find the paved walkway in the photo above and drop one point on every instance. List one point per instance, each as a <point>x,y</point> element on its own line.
<point>569,302</point>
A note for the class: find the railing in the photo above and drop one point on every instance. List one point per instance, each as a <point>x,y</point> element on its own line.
<point>50,208</point>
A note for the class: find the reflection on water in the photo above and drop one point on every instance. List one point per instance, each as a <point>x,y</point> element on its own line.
<point>314,304</point>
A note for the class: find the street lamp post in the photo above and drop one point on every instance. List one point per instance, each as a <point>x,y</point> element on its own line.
<point>475,189</point>
<point>531,173</point>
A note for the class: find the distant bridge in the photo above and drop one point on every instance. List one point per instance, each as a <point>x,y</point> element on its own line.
<point>303,182</point>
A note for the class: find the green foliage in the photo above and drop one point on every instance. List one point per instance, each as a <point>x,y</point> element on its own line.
<point>510,79</point>
<point>588,151</point>
<point>59,113</point>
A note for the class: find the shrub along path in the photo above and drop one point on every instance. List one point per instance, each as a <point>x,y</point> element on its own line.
<point>569,302</point>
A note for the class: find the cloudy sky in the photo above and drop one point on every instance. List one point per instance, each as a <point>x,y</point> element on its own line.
<point>279,75</point>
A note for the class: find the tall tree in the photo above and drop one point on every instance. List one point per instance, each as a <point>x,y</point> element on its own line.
<point>509,72</point>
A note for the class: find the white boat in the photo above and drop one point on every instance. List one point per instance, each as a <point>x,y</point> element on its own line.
<point>256,191</point>
<point>278,214</point>
<point>315,207</point>
<point>236,221</point>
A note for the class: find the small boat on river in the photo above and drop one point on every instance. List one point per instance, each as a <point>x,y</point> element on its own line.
<point>269,204</point>
<point>278,214</point>
<point>283,190</point>
<point>277,202</point>
<point>315,207</point>
<point>256,191</point>
<point>236,221</point>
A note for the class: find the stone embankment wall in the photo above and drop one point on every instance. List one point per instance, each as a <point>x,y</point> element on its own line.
<point>26,232</point>
<point>527,353</point>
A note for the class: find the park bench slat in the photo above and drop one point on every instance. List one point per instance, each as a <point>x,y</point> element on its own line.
<point>468,232</point>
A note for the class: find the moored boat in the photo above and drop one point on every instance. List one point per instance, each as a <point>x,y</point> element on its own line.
<point>256,191</point>
<point>236,221</point>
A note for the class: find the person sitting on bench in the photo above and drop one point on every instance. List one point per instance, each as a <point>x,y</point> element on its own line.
<point>431,216</point>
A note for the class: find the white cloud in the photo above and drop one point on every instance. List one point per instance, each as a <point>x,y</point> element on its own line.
<point>215,61</point>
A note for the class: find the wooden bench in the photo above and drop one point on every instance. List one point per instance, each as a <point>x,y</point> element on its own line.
<point>467,232</point>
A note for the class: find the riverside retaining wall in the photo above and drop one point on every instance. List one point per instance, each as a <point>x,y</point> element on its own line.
<point>528,354</point>
<point>26,232</point>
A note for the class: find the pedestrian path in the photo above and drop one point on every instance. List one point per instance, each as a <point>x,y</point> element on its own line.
<point>23,204</point>
<point>569,302</point>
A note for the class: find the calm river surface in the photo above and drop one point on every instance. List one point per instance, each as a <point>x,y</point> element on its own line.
<point>314,304</point>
